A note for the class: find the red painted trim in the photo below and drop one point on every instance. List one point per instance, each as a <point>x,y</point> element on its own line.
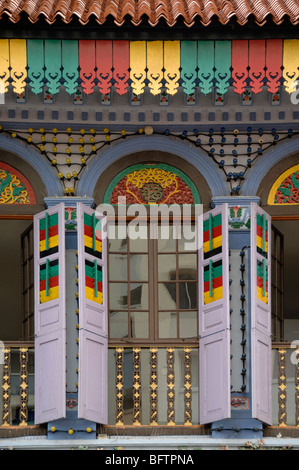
<point>89,232</point>
<point>217,282</point>
<point>53,282</point>
<point>257,61</point>
<point>89,282</point>
<point>104,65</point>
<point>121,64</point>
<point>216,232</point>
<point>274,63</point>
<point>239,64</point>
<point>53,231</point>
<point>87,64</point>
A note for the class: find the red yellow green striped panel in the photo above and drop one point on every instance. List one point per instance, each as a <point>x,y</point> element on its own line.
<point>49,281</point>
<point>213,275</point>
<point>212,235</point>
<point>93,282</point>
<point>262,235</point>
<point>48,227</point>
<point>262,281</point>
<point>92,235</point>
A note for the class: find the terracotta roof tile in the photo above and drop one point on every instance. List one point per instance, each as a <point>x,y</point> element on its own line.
<point>153,10</point>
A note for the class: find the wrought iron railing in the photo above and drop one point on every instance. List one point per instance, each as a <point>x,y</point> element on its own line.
<point>147,386</point>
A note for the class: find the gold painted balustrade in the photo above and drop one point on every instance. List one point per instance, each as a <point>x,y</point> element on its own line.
<point>285,385</point>
<point>17,377</point>
<point>151,386</point>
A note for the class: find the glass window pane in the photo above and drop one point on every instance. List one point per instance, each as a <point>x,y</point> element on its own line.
<point>119,324</point>
<point>167,267</point>
<point>167,295</point>
<point>31,271</point>
<point>187,266</point>
<point>187,295</point>
<point>166,239</point>
<point>31,299</point>
<point>138,238</point>
<point>117,238</point>
<point>118,267</point>
<point>188,239</point>
<point>167,325</point>
<point>118,295</point>
<point>139,296</point>
<point>139,324</point>
<point>188,324</point>
<point>138,267</point>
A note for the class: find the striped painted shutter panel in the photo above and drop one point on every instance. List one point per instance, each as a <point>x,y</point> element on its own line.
<point>93,315</point>
<point>50,314</point>
<point>214,321</point>
<point>261,314</point>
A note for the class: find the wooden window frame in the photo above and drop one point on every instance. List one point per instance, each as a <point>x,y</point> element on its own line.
<point>282,218</point>
<point>16,216</point>
<point>153,307</point>
<point>27,286</point>
<point>277,285</point>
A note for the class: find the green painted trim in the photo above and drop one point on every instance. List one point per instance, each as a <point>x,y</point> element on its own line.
<point>140,166</point>
<point>35,62</point>
<point>211,277</point>
<point>189,65</point>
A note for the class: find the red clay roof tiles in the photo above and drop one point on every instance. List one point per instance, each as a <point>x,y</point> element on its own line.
<point>153,10</point>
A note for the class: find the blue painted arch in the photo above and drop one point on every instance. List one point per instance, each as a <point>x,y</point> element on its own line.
<point>45,171</point>
<point>188,152</point>
<point>266,162</point>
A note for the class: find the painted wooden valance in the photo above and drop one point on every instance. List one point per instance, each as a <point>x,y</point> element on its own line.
<point>205,64</point>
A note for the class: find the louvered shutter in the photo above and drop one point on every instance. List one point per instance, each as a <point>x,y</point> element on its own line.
<point>214,322</point>
<point>49,280</point>
<point>93,327</point>
<point>261,314</point>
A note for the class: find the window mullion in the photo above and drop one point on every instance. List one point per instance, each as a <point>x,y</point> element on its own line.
<point>153,287</point>
<point>129,286</point>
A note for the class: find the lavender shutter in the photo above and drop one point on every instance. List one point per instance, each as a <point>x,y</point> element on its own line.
<point>214,323</point>
<point>49,286</point>
<point>93,328</point>
<point>261,314</point>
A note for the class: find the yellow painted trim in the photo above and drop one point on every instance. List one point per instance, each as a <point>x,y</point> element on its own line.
<point>53,241</point>
<point>4,64</point>
<point>290,63</point>
<point>172,63</point>
<point>278,182</point>
<point>259,243</point>
<point>217,294</point>
<point>88,242</point>
<point>155,66</point>
<point>138,66</point>
<point>216,242</point>
<point>89,292</point>
<point>18,63</point>
<point>53,294</point>
<point>259,293</point>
